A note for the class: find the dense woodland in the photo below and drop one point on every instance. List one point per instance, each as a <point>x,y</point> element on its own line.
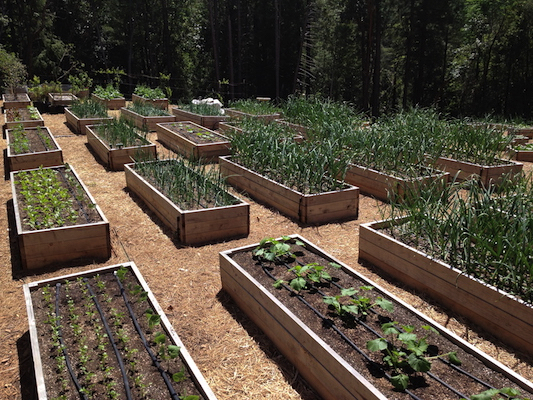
<point>465,57</point>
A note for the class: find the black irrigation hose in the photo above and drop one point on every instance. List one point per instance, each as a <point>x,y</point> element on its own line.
<point>64,348</point>
<point>157,364</point>
<point>71,190</point>
<point>111,340</point>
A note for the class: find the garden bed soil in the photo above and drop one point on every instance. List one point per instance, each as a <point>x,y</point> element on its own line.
<point>21,116</point>
<point>16,100</point>
<point>78,124</point>
<point>113,157</point>
<point>120,302</point>
<point>317,208</point>
<point>192,227</point>
<point>89,237</point>
<point>503,315</point>
<point>111,104</point>
<point>193,140</point>
<point>208,121</point>
<point>41,152</point>
<point>294,327</point>
<point>61,99</point>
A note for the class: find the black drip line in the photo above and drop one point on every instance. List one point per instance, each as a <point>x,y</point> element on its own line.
<point>111,340</point>
<point>42,140</point>
<point>64,348</point>
<point>71,190</point>
<point>157,364</point>
<point>332,325</point>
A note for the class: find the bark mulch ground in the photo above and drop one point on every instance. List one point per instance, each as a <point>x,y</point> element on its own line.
<point>237,360</point>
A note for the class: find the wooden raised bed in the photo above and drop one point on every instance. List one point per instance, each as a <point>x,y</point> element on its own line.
<point>503,315</point>
<point>159,103</point>
<point>39,155</point>
<point>61,99</point>
<point>44,363</point>
<point>192,227</point>
<point>209,121</point>
<point>25,120</point>
<point>112,104</point>
<point>240,114</point>
<point>78,125</point>
<point>389,187</point>
<point>522,131</point>
<point>16,100</point>
<point>148,123</point>
<point>521,154</point>
<point>310,348</point>
<point>115,158</point>
<point>485,174</point>
<point>229,128</point>
<point>44,247</point>
<point>295,127</point>
<point>177,137</point>
<point>306,208</point>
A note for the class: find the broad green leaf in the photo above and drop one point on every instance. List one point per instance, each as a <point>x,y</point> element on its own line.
<point>400,382</point>
<point>509,391</point>
<point>486,395</point>
<point>377,344</point>
<point>298,283</point>
<point>160,338</point>
<point>173,350</point>
<point>335,265</point>
<point>454,359</point>
<point>278,284</point>
<point>389,328</point>
<point>419,364</point>
<point>179,377</point>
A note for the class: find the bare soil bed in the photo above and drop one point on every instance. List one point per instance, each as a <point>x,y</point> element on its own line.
<point>237,360</point>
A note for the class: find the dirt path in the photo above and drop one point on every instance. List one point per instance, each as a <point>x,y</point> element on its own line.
<point>238,361</point>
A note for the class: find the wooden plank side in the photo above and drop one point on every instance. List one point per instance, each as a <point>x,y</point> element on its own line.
<point>523,155</point>
<point>329,374</point>
<point>338,210</point>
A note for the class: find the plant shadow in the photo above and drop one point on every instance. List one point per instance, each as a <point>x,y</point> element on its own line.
<point>290,373</point>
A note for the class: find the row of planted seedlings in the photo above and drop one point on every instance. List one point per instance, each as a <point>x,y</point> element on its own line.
<point>118,142</point>
<point>298,179</point>
<point>110,96</point>
<point>191,198</point>
<point>27,117</point>
<point>348,337</point>
<point>102,335</point>
<point>469,249</point>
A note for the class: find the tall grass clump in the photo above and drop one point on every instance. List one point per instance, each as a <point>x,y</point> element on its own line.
<point>121,133</point>
<point>189,186</point>
<point>255,107</point>
<point>306,167</point>
<point>147,109</point>
<point>88,109</point>
<point>486,232</point>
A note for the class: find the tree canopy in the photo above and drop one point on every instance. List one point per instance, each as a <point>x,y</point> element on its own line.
<point>470,57</point>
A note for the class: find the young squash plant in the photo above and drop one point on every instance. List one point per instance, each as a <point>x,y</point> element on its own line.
<point>356,304</point>
<point>405,352</point>
<point>274,250</point>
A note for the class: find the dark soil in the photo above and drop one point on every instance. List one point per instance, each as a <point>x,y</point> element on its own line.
<point>195,134</point>
<point>36,142</point>
<point>420,384</point>
<point>18,114</point>
<point>90,352</point>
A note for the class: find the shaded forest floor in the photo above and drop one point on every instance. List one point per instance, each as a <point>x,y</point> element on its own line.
<point>237,359</point>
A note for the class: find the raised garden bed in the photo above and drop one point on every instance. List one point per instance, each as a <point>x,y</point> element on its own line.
<point>327,331</point>
<point>522,152</point>
<point>61,99</point>
<point>112,104</point>
<point>485,174</point>
<point>208,121</point>
<point>196,219</point>
<point>241,114</point>
<point>29,148</point>
<point>148,122</point>
<point>388,187</point>
<point>28,117</point>
<point>78,124</point>
<point>115,154</point>
<point>306,208</point>
<point>229,128</point>
<point>159,103</point>
<point>102,334</point>
<point>16,100</point>
<point>62,223</point>
<point>295,127</point>
<point>503,315</point>
<point>193,140</point>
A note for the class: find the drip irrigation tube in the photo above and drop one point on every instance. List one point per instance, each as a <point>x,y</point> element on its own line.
<point>163,373</point>
<point>64,348</point>
<point>70,189</point>
<point>111,340</point>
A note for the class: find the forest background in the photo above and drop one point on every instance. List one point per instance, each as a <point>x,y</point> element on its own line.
<point>464,57</point>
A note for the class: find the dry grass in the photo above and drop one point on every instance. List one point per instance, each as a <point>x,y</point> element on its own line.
<point>235,357</point>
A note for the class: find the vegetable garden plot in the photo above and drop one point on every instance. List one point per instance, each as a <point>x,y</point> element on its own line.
<point>205,115</point>
<point>16,100</point>
<point>27,117</point>
<point>102,334</point>
<point>348,337</point>
<point>146,116</point>
<point>29,148</point>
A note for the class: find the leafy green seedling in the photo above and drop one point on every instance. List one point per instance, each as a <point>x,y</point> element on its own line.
<point>271,249</point>
<point>405,351</point>
<point>357,305</point>
<point>121,273</point>
<point>494,394</point>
